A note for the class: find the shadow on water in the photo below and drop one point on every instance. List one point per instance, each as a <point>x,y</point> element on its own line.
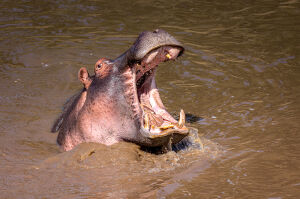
<point>191,118</point>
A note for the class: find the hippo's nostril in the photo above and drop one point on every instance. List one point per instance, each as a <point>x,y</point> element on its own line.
<point>155,31</point>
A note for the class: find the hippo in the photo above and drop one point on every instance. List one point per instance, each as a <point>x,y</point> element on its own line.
<point>121,101</point>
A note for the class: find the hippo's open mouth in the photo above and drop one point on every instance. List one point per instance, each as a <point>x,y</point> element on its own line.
<point>154,118</point>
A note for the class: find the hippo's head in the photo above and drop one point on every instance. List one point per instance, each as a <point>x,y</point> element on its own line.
<point>121,100</point>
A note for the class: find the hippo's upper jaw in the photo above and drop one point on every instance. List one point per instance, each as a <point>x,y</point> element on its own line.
<point>156,124</point>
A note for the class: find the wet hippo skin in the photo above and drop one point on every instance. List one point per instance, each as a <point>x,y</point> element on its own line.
<point>121,102</point>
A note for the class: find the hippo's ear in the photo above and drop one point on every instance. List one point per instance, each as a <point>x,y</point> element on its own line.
<point>84,77</point>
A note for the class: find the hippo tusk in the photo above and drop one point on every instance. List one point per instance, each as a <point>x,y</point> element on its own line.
<point>181,121</point>
<point>146,124</point>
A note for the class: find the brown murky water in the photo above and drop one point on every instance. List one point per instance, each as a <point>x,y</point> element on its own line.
<point>240,73</point>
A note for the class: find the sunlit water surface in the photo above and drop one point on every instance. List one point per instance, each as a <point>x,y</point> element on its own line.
<point>238,82</point>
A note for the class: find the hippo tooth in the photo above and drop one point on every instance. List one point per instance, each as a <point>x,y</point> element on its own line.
<point>181,119</point>
<point>166,127</point>
<point>146,125</point>
<point>168,56</point>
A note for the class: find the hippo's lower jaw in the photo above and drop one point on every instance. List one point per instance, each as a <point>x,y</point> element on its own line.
<point>156,123</point>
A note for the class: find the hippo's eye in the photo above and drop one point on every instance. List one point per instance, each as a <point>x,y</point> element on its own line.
<point>99,66</point>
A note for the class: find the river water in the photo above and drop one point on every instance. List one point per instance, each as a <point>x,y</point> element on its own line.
<point>238,82</point>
